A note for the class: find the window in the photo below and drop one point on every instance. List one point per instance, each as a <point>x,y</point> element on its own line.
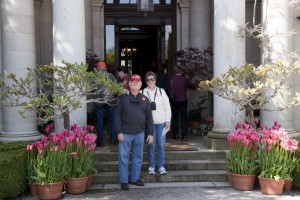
<point>128,1</point>
<point>110,44</point>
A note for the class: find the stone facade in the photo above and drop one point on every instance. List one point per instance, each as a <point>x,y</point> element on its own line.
<point>45,31</point>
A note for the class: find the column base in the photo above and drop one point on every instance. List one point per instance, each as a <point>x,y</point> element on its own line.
<point>9,137</point>
<point>294,133</point>
<point>217,140</point>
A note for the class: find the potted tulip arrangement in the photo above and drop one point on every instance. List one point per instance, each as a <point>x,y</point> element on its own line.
<point>31,160</point>
<point>90,159</point>
<point>48,166</point>
<point>243,155</point>
<point>277,160</point>
<point>80,145</point>
<point>58,156</point>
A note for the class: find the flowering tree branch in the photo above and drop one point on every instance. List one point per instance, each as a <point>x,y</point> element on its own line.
<point>49,88</point>
<point>252,88</point>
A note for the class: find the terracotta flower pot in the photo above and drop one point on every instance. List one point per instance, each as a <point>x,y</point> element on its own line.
<point>229,177</point>
<point>243,182</point>
<point>33,188</point>
<point>89,181</point>
<point>76,185</point>
<point>50,191</point>
<point>271,186</point>
<point>288,185</point>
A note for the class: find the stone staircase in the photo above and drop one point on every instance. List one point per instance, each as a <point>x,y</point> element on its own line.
<point>198,164</point>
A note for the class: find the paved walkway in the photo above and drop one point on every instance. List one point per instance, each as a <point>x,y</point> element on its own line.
<point>192,192</point>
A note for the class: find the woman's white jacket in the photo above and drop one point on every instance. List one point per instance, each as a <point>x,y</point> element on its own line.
<point>158,95</point>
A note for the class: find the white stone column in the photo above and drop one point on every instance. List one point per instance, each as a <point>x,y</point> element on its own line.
<point>200,37</point>
<point>88,24</point>
<point>98,27</point>
<point>275,20</point>
<point>69,44</point>
<point>229,50</point>
<point>296,47</point>
<point>18,53</point>
<point>46,25</point>
<point>1,70</point>
<point>37,17</point>
<point>183,24</point>
<point>200,23</point>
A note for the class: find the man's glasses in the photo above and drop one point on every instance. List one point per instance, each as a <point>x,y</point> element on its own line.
<point>150,79</point>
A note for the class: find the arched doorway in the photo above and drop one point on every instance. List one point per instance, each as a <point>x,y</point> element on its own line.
<point>137,40</point>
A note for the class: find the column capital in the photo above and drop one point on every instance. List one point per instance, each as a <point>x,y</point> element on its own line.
<point>183,4</point>
<point>97,5</point>
<point>38,2</point>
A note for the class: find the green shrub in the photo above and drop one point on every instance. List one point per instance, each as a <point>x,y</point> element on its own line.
<point>296,173</point>
<point>12,169</point>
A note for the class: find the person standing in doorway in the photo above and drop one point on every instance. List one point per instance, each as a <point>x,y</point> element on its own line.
<point>180,84</point>
<point>162,80</point>
<point>109,107</point>
<point>124,78</point>
<point>133,117</point>
<point>161,112</point>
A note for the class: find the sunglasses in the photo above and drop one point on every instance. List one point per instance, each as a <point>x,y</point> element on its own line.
<point>150,79</point>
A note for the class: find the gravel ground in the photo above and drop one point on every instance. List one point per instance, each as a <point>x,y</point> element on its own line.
<point>195,193</point>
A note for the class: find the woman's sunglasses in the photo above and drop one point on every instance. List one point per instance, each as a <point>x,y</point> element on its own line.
<point>150,79</point>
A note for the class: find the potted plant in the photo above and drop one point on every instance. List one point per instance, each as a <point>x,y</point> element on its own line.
<point>277,159</point>
<point>195,115</point>
<point>31,160</point>
<point>49,165</point>
<point>90,161</point>
<point>79,149</point>
<point>243,155</point>
<point>196,64</point>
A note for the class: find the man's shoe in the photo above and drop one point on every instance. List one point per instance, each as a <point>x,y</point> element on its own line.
<point>151,171</point>
<point>124,186</point>
<point>162,171</point>
<point>137,183</point>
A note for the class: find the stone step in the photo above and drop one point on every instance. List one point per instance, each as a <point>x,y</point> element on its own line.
<point>172,176</point>
<point>112,166</point>
<point>114,186</point>
<point>170,155</point>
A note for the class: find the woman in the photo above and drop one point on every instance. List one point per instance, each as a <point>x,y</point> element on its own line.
<point>161,112</point>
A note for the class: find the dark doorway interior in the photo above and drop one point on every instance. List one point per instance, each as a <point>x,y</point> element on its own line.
<point>142,48</point>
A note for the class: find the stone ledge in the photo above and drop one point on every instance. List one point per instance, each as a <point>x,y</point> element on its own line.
<point>217,141</point>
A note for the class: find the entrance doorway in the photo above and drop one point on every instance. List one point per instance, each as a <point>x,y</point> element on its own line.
<point>140,49</point>
<point>140,42</point>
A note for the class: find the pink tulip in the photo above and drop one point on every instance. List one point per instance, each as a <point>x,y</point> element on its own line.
<point>74,154</point>
<point>55,148</point>
<point>29,147</point>
<point>73,127</point>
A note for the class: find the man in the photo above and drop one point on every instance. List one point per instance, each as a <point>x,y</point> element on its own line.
<point>109,107</point>
<point>133,117</point>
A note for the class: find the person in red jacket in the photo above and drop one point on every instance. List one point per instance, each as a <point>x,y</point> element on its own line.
<point>180,85</point>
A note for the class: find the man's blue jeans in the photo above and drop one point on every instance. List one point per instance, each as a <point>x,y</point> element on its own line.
<point>137,143</point>
<point>160,141</point>
<point>100,120</point>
